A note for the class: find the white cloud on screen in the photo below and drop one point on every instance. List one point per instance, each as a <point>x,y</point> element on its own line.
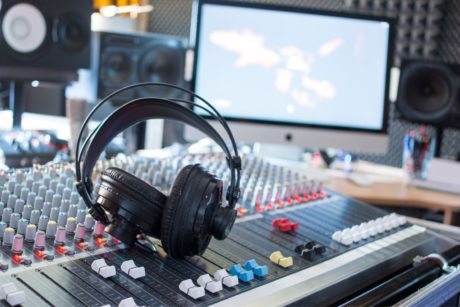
<point>248,45</point>
<point>330,46</point>
<point>303,98</point>
<point>296,59</point>
<point>322,88</point>
<point>283,80</point>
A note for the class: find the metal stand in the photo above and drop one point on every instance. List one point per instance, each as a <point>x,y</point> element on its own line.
<point>439,136</point>
<point>16,102</point>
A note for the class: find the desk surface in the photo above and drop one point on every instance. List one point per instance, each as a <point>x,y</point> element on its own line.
<point>400,193</point>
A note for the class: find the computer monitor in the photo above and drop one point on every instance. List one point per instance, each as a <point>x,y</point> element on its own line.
<point>293,76</point>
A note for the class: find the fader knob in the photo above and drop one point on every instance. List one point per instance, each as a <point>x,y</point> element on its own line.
<point>11,201</point>
<point>98,229</point>
<point>54,214</point>
<point>80,233</point>
<point>19,206</point>
<point>22,225</point>
<point>46,209</point>
<point>73,210</point>
<point>56,202</point>
<point>14,219</point>
<point>62,219</point>
<point>71,225</point>
<point>24,193</point>
<point>74,198</point>
<point>31,230</point>
<point>43,222</point>
<point>49,196</point>
<point>5,195</point>
<point>51,229</point>
<point>3,226</point>
<point>66,193</point>
<point>8,236</point>
<point>18,244</point>
<point>89,222</point>
<point>81,214</point>
<point>60,236</point>
<point>6,215</point>
<point>31,198</point>
<point>27,211</point>
<point>34,216</point>
<point>65,205</point>
<point>39,240</point>
<point>38,203</point>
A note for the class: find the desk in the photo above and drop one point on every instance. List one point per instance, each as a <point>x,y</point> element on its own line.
<point>401,194</point>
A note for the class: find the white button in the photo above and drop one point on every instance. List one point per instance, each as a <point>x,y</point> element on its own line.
<point>347,240</point>
<point>16,298</point>
<point>130,268</point>
<point>107,271</point>
<point>127,302</point>
<point>212,286</point>
<point>373,231</point>
<point>346,232</point>
<point>188,287</point>
<point>219,274</point>
<point>230,281</point>
<point>356,236</point>
<point>227,280</point>
<point>337,236</point>
<point>126,265</point>
<point>7,288</point>
<point>196,292</point>
<point>365,234</point>
<point>98,264</point>
<point>137,272</point>
<point>402,220</point>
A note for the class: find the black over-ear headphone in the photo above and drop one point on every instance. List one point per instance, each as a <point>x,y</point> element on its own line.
<point>191,214</point>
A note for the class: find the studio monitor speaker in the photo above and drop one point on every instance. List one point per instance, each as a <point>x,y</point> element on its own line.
<point>429,93</point>
<point>125,59</point>
<point>44,35</point>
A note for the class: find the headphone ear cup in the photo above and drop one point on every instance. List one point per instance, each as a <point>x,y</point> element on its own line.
<point>128,197</point>
<point>188,215</point>
<point>169,210</point>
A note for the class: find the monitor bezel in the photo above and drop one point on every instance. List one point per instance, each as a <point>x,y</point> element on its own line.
<point>195,41</point>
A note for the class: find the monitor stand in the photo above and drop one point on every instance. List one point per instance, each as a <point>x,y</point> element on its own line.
<point>287,152</point>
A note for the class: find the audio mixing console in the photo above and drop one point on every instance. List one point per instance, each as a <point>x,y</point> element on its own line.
<point>293,242</point>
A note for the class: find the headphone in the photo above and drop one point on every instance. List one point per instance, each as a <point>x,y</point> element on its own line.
<point>192,214</point>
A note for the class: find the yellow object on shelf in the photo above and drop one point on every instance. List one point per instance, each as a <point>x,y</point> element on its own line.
<point>102,3</point>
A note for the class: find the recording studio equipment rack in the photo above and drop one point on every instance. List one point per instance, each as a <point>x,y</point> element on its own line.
<point>293,243</point>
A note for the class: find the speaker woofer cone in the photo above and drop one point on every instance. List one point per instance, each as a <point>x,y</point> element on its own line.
<point>425,92</point>
<point>428,90</point>
<point>71,31</point>
<point>117,68</point>
<point>160,64</point>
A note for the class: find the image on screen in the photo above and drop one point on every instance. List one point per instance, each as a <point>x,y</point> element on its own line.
<point>292,67</point>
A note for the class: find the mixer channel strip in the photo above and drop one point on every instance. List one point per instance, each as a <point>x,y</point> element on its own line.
<point>53,253</point>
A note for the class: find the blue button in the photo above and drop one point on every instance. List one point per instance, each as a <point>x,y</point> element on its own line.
<point>246,276</point>
<point>250,264</point>
<point>260,270</point>
<point>236,269</point>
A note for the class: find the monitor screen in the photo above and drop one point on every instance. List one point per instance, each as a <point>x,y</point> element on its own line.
<point>282,66</point>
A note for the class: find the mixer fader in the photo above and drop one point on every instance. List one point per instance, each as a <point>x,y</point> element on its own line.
<point>293,242</point>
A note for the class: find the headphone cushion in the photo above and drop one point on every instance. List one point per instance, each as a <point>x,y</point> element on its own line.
<point>169,210</point>
<point>138,186</point>
<point>143,202</point>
